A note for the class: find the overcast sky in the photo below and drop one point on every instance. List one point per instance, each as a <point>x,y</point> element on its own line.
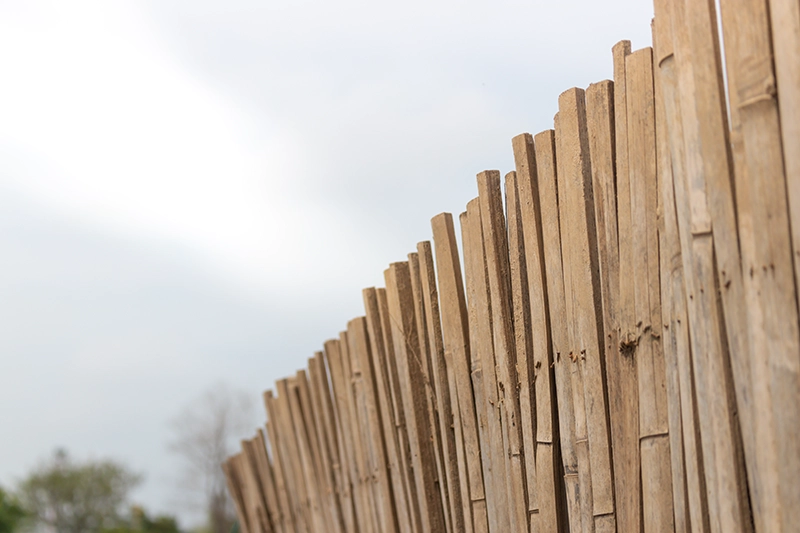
<point>196,191</point>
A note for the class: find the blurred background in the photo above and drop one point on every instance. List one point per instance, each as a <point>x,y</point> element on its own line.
<point>194,192</point>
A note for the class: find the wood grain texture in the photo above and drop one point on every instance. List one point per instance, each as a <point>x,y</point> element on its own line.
<point>412,390</point>
<point>583,298</point>
<point>444,386</point>
<point>484,378</point>
<point>457,349</point>
<point>550,499</point>
<point>544,144</point>
<point>761,201</point>
<point>396,470</point>
<point>502,333</point>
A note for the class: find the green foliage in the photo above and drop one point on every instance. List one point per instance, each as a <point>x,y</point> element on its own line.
<point>11,513</point>
<point>77,497</point>
<point>141,523</point>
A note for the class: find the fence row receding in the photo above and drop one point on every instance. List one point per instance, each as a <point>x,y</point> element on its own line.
<point>622,350</point>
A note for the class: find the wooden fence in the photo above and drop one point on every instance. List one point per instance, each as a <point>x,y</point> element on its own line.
<point>621,351</point>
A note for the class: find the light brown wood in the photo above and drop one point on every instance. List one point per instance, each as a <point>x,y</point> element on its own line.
<point>544,144</point>
<point>523,346</point>
<point>457,350</point>
<point>258,490</point>
<point>499,281</point>
<point>653,416</point>
<point>582,289</point>
<point>268,480</point>
<point>767,257</point>
<point>412,389</point>
<point>400,416</point>
<point>716,258</point>
<point>681,268</point>
<point>550,497</point>
<point>340,418</point>
<point>286,504</point>
<point>235,488</point>
<point>673,307</point>
<point>445,387</point>
<point>484,379</point>
<point>380,365</point>
<point>621,366</point>
<point>426,365</point>
<point>785,26</point>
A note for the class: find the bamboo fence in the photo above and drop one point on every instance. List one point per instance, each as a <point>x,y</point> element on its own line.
<point>621,350</point>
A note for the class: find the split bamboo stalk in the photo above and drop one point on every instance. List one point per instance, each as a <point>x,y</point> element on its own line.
<point>400,416</point>
<point>520,302</point>
<point>397,471</point>
<point>673,306</point>
<point>235,488</point>
<point>676,204</point>
<point>259,508</point>
<point>495,240</point>
<point>268,481</point>
<point>369,419</point>
<point>430,386</point>
<point>623,390</point>
<point>583,305</point>
<point>445,387</point>
<point>319,392</point>
<point>544,144</point>
<point>767,257</point>
<point>358,466</point>
<point>290,523</point>
<point>653,416</point>
<point>705,191</point>
<point>338,401</point>
<point>483,370</point>
<point>550,496</point>
<point>457,352</point>
<point>412,388</point>
<point>314,455</point>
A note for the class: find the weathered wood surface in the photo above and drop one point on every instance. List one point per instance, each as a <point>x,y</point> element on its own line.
<point>622,350</point>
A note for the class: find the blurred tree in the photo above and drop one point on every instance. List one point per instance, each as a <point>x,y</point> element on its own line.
<point>206,433</point>
<point>11,512</point>
<point>77,497</point>
<point>141,523</point>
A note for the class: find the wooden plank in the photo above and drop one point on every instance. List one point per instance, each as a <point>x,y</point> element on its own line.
<point>284,474</point>
<point>381,369</point>
<point>260,516</point>
<point>430,387</point>
<point>544,144</point>
<point>712,208</point>
<point>400,416</point>
<point>499,281</point>
<point>330,470</point>
<point>457,349</point>
<point>289,430</point>
<point>550,496</point>
<point>767,256</point>
<point>445,387</point>
<point>681,266</point>
<point>235,489</point>
<point>582,289</point>
<point>361,486</point>
<point>412,390</point>
<point>653,412</point>
<point>785,26</point>
<point>341,423</point>
<point>369,419</point>
<point>287,510</point>
<point>484,379</point>
<point>673,305</point>
<point>523,346</point>
<point>268,482</point>
<point>698,73</point>
<point>621,369</point>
